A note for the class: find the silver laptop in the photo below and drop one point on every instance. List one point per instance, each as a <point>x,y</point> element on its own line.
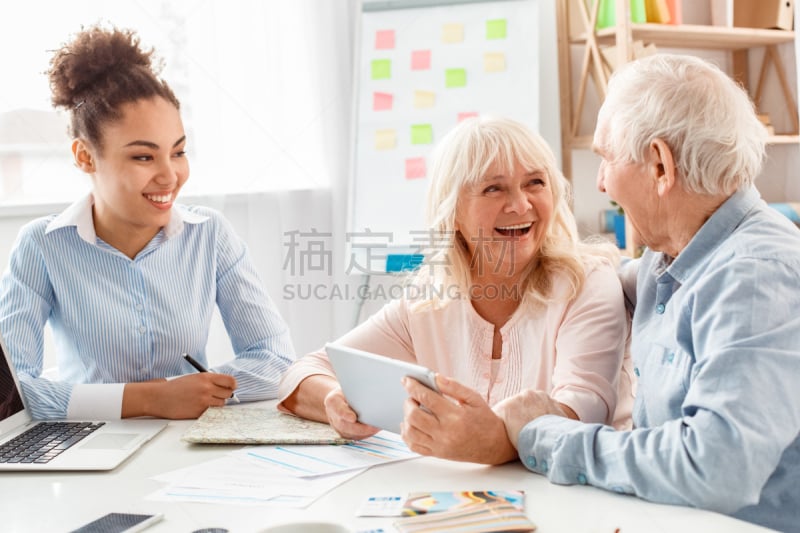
<point>75,445</point>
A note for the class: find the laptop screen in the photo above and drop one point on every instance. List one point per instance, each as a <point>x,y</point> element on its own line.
<point>10,399</point>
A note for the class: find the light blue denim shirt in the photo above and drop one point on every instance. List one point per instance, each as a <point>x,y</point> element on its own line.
<point>119,320</point>
<point>716,348</point>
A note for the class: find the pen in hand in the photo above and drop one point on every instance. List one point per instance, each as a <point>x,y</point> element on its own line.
<point>200,368</point>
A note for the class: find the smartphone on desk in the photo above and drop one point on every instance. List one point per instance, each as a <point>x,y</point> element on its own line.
<point>119,523</point>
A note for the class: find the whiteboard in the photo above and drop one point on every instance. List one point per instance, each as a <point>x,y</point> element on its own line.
<point>419,70</point>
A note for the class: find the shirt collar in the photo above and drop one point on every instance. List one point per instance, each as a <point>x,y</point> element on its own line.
<point>716,229</point>
<point>79,214</point>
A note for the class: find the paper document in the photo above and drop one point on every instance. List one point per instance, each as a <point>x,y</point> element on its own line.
<point>232,480</point>
<point>383,447</point>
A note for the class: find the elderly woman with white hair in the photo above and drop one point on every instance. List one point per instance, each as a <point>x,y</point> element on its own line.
<point>509,299</point>
<point>716,329</point>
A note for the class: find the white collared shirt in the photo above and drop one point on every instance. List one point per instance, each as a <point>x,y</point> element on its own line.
<point>117,320</point>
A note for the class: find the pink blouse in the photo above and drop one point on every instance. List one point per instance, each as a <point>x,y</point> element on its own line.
<point>571,350</point>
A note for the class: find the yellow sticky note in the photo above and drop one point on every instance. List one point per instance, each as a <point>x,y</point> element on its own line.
<point>494,62</point>
<point>455,77</point>
<point>424,99</point>
<point>496,29</point>
<point>385,139</point>
<point>381,69</point>
<point>421,134</point>
<point>452,33</point>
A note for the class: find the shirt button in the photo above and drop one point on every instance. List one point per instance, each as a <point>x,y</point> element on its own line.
<point>486,375</point>
<point>142,329</point>
<point>636,371</point>
<point>543,466</point>
<point>670,357</point>
<point>660,309</point>
<point>581,479</point>
<point>530,461</point>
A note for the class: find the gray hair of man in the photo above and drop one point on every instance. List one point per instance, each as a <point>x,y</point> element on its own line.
<point>706,119</point>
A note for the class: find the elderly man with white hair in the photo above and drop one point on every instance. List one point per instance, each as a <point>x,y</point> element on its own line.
<point>716,309</point>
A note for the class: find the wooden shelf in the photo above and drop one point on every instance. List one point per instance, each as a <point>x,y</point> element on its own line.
<point>696,36</point>
<point>584,142</point>
<point>603,49</point>
<point>784,139</point>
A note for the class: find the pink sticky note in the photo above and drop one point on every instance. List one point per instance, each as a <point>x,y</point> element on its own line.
<point>415,168</point>
<point>382,101</point>
<point>467,114</point>
<point>421,60</point>
<point>384,39</point>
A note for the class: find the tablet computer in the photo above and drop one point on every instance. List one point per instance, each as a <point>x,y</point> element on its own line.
<point>371,383</point>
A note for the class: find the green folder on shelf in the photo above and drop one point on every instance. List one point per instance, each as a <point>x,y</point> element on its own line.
<point>606,13</point>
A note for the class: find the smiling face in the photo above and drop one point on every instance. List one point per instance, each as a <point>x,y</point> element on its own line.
<point>630,185</point>
<point>503,219</point>
<point>138,172</point>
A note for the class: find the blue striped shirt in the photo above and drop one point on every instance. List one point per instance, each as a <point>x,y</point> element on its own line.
<point>716,348</point>
<point>119,320</point>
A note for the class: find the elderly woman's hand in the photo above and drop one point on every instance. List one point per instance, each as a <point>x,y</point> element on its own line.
<point>343,419</point>
<point>457,424</point>
<point>523,407</point>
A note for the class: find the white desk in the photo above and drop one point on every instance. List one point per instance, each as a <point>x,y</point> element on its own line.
<point>53,502</point>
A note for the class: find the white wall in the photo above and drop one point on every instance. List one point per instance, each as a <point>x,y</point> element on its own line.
<point>262,219</point>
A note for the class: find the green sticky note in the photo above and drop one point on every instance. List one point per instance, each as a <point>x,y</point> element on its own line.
<point>455,77</point>
<point>381,69</point>
<point>421,134</point>
<point>496,29</point>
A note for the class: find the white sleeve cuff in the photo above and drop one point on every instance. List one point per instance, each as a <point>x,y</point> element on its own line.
<point>96,401</point>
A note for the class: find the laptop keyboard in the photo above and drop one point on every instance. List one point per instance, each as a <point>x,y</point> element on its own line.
<point>45,441</point>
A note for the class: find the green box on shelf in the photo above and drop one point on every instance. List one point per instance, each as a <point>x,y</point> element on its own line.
<point>606,15</point>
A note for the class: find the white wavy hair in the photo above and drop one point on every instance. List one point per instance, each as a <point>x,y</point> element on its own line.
<point>463,157</point>
<point>707,120</point>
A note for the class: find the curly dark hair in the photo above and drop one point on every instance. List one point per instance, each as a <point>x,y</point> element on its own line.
<point>97,72</point>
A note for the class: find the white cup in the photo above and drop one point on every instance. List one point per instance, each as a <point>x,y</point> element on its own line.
<point>307,527</point>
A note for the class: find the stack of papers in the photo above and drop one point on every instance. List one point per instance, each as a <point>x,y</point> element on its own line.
<point>430,512</point>
<point>495,516</point>
<point>279,475</point>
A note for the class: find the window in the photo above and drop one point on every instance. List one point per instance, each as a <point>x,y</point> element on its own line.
<point>261,85</point>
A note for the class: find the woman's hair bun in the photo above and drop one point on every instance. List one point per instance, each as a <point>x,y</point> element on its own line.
<point>92,60</point>
<point>97,73</point>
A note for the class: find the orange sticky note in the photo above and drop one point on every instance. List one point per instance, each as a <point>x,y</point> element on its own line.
<point>452,33</point>
<point>415,168</point>
<point>385,139</point>
<point>382,101</point>
<point>424,99</point>
<point>466,114</point>
<point>494,62</point>
<point>384,39</point>
<point>421,60</point>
